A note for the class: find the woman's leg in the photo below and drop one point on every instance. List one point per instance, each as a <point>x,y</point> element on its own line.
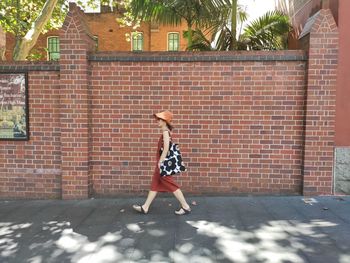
<point>145,207</point>
<point>180,197</point>
<point>150,197</point>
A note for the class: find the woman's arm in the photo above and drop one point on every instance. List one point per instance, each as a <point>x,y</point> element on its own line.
<point>166,143</point>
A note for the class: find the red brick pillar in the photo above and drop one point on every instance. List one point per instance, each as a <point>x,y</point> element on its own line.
<point>75,42</point>
<point>320,105</point>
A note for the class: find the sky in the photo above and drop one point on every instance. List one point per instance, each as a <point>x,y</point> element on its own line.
<point>256,8</point>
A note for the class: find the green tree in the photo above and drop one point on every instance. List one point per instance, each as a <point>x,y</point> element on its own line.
<point>197,13</point>
<point>210,21</point>
<point>233,11</point>
<point>27,19</point>
<point>268,32</point>
<point>224,30</point>
<point>221,30</point>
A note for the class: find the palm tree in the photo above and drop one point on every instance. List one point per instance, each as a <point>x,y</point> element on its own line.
<point>215,21</point>
<point>233,24</point>
<point>196,13</point>
<point>221,30</point>
<point>199,41</point>
<point>225,33</point>
<point>268,32</point>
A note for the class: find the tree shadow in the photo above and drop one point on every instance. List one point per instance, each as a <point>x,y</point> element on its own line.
<point>220,229</point>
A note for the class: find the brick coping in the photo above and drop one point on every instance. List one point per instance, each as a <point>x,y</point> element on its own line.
<point>214,56</point>
<point>18,66</point>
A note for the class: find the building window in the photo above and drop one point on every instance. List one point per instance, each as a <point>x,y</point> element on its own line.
<point>137,41</point>
<point>173,41</point>
<point>53,48</point>
<point>96,42</point>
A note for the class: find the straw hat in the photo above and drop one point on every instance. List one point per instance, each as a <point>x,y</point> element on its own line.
<point>165,116</point>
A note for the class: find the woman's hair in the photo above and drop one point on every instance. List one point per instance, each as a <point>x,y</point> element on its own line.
<point>170,127</point>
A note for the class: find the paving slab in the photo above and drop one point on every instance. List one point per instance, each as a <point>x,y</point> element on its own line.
<point>224,229</point>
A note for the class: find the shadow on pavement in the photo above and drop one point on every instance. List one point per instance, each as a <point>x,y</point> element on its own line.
<point>220,229</point>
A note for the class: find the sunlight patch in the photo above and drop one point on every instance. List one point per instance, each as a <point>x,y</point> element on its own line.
<point>156,232</point>
<point>134,228</point>
<point>111,237</point>
<point>104,254</point>
<point>344,259</point>
<point>185,248</point>
<point>8,246</point>
<point>269,242</point>
<point>36,259</point>
<point>71,241</point>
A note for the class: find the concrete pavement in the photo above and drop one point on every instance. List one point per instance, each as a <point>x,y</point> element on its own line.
<point>219,229</point>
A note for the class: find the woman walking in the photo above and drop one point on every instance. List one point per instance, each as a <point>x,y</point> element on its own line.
<point>163,183</point>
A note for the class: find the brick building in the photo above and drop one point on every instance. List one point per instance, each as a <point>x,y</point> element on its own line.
<point>109,35</point>
<point>303,14</point>
<point>299,11</point>
<point>248,122</point>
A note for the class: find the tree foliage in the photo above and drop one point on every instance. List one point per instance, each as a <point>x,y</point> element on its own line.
<point>268,32</point>
<point>196,13</point>
<point>208,21</point>
<point>214,21</point>
<point>27,19</point>
<point>17,16</point>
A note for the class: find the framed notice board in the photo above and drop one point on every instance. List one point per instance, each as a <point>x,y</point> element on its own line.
<point>14,117</point>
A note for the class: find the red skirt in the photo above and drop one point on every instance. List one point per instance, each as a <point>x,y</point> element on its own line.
<point>163,183</point>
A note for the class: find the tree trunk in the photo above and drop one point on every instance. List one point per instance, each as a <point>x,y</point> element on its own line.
<point>233,25</point>
<point>24,45</point>
<point>189,37</point>
<point>2,45</point>
<point>2,54</point>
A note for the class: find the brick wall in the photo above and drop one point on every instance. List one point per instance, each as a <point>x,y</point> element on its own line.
<point>321,105</point>
<point>32,169</point>
<point>76,41</point>
<point>240,123</point>
<point>246,121</point>
<point>111,36</point>
<point>159,38</point>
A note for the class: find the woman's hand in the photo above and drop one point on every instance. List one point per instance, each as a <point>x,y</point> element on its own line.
<point>159,164</point>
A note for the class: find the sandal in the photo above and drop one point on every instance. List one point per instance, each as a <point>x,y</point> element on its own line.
<point>139,209</point>
<point>182,211</point>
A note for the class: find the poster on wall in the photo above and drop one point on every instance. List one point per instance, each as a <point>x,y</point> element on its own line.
<point>14,106</point>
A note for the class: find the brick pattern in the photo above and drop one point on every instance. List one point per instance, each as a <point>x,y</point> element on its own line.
<point>23,66</point>
<point>74,102</point>
<point>245,121</point>
<point>240,124</point>
<point>320,109</point>
<point>32,169</point>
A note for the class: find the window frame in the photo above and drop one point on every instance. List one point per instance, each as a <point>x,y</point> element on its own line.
<point>168,41</point>
<point>96,42</point>
<point>132,41</point>
<point>48,49</point>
